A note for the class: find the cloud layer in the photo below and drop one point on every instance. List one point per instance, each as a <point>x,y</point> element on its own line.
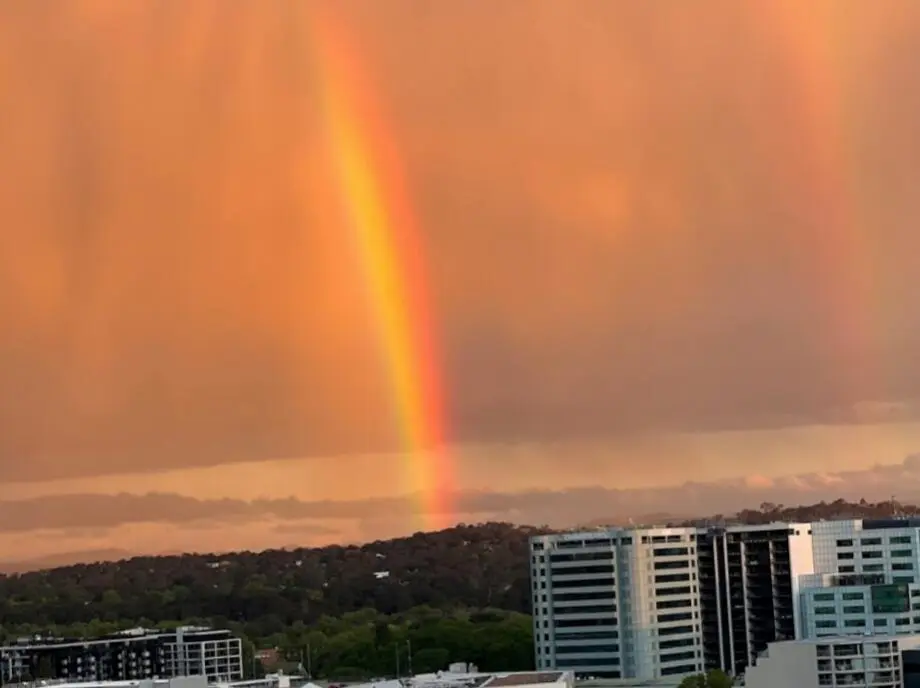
<point>691,218</point>
<point>153,523</point>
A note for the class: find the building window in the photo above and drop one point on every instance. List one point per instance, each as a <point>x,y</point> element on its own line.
<point>825,624</point>
<point>854,623</point>
<point>823,597</point>
<point>844,543</point>
<point>902,566</point>
<point>873,568</point>
<point>670,592</point>
<point>873,554</point>
<point>844,555</point>
<point>854,609</point>
<point>869,542</point>
<point>682,616</point>
<point>671,552</point>
<point>901,553</point>
<point>852,596</point>
<point>900,539</point>
<point>672,577</point>
<point>825,611</point>
<point>846,569</point>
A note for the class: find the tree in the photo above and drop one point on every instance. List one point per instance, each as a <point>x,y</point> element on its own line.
<point>474,566</point>
<point>712,679</point>
<point>430,660</point>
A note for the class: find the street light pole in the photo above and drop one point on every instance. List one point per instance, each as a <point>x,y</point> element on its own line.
<point>409,649</point>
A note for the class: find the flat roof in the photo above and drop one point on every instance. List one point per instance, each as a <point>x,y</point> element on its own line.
<point>848,639</point>
<point>629,683</point>
<point>524,679</point>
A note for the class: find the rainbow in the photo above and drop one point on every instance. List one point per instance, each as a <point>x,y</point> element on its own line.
<point>390,253</point>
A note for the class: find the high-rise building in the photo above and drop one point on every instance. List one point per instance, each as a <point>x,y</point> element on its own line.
<point>618,603</point>
<point>866,580</point>
<point>129,655</point>
<point>750,582</point>
<point>651,603</point>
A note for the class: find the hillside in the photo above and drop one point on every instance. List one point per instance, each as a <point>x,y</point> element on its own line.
<point>468,566</point>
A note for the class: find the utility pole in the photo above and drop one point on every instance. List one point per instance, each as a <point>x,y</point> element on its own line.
<point>409,650</point>
<point>396,649</point>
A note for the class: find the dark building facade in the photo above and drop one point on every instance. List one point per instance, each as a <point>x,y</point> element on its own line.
<point>748,590</point>
<point>130,655</point>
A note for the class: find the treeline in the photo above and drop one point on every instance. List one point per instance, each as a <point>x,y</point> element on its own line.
<point>418,589</point>
<point>474,567</point>
<point>364,643</point>
<point>769,512</point>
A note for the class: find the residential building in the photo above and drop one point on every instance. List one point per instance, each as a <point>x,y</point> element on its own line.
<point>750,581</point>
<point>866,579</point>
<point>617,603</point>
<point>129,655</point>
<point>871,662</point>
<point>873,546</point>
<point>653,603</point>
<point>177,682</point>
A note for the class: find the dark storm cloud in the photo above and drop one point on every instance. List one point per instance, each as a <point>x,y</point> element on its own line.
<point>619,203</point>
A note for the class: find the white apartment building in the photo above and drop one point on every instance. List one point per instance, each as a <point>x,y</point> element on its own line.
<point>866,580</point>
<point>862,662</point>
<point>617,603</point>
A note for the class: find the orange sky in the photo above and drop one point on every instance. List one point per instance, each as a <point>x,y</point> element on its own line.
<point>666,243</point>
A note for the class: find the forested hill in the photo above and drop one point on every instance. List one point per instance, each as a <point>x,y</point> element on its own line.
<point>474,567</point>
<point>467,567</point>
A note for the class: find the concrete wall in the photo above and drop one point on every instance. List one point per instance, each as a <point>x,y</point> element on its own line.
<point>788,665</point>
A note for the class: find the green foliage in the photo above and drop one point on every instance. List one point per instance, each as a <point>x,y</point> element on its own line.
<point>718,679</point>
<point>430,659</point>
<point>467,566</point>
<point>366,643</point>
<point>456,595</point>
<point>712,679</point>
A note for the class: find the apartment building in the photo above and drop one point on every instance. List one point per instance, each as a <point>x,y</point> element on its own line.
<point>659,602</point>
<point>750,586</point>
<point>129,655</point>
<point>862,662</point>
<point>866,579</point>
<point>617,603</point>
<point>890,547</point>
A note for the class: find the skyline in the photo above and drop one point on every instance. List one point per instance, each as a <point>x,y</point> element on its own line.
<point>663,246</point>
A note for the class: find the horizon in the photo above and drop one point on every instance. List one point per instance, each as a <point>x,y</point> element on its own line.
<point>649,520</point>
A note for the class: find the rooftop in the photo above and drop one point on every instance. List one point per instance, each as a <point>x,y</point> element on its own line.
<point>453,679</point>
<point>524,679</point>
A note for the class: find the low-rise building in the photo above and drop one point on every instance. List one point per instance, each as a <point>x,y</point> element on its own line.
<point>130,655</point>
<point>868,662</point>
